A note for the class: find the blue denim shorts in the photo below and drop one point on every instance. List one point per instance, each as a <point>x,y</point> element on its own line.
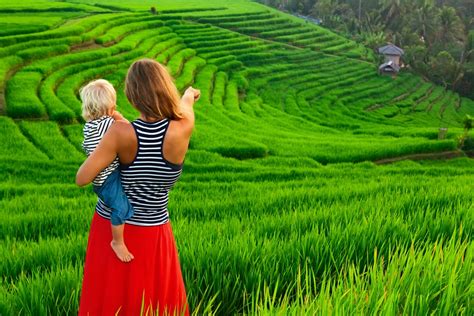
<point>112,194</point>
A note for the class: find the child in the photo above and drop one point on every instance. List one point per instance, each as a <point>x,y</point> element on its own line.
<point>98,109</point>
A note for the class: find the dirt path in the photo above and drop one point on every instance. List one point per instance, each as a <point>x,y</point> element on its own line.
<point>426,156</point>
<point>394,100</point>
<point>423,98</point>
<point>85,46</point>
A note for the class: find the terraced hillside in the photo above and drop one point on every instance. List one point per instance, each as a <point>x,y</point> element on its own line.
<point>271,213</point>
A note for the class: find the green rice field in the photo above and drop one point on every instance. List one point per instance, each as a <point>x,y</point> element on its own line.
<point>283,207</point>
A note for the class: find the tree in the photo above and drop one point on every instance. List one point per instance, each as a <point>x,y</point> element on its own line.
<point>464,9</point>
<point>437,35</point>
<point>372,39</point>
<point>417,57</point>
<point>153,10</point>
<point>445,70</point>
<point>392,9</point>
<point>424,21</point>
<point>467,122</point>
<point>468,54</point>
<point>372,23</point>
<point>306,6</point>
<point>323,9</point>
<point>450,26</point>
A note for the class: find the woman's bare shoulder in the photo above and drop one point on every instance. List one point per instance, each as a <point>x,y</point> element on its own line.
<point>121,128</point>
<point>121,134</point>
<point>176,141</point>
<point>125,140</point>
<point>180,129</point>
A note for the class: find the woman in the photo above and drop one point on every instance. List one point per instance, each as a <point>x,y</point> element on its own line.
<point>151,151</point>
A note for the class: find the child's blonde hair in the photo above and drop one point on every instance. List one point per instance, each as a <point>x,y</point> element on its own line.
<point>97,97</point>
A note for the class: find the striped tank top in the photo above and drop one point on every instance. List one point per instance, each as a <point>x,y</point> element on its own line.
<point>149,178</point>
<point>93,132</point>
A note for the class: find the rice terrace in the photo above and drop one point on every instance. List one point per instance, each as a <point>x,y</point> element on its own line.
<point>313,184</point>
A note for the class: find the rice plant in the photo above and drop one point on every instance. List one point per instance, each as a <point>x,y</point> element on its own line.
<point>282,208</point>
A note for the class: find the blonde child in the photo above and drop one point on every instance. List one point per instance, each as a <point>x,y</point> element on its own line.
<point>98,109</point>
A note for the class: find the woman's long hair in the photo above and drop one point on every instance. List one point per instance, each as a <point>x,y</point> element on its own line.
<point>150,89</point>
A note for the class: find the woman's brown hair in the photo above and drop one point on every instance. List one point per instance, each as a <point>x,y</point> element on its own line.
<point>150,88</point>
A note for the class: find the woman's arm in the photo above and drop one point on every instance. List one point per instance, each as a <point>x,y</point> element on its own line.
<point>103,155</point>
<point>176,141</point>
<point>190,96</point>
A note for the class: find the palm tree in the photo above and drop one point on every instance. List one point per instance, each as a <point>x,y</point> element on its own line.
<point>451,27</point>
<point>468,48</point>
<point>359,10</point>
<point>323,9</point>
<point>372,23</point>
<point>393,9</point>
<point>425,21</point>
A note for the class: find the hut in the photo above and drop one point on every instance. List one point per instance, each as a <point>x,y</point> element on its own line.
<point>392,56</point>
<point>389,67</point>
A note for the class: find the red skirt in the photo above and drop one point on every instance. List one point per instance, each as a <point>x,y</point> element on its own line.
<point>149,283</point>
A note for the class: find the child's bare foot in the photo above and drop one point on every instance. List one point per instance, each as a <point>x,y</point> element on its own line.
<point>121,251</point>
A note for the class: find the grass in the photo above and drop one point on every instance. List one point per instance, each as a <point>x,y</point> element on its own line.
<point>48,137</point>
<point>15,143</point>
<point>21,104</point>
<point>280,209</point>
<point>262,233</point>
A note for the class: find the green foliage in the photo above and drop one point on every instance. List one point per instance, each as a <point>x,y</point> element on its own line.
<point>445,69</point>
<point>74,134</point>
<point>175,65</point>
<point>423,28</point>
<point>42,52</point>
<point>117,32</point>
<point>50,34</point>
<point>289,212</point>
<point>22,104</point>
<point>219,88</point>
<point>15,143</point>
<point>16,29</point>
<point>40,46</point>
<point>57,110</point>
<point>48,137</point>
<point>468,122</point>
<point>44,294</point>
<point>245,150</point>
<point>274,225</point>
<point>6,64</point>
<point>188,72</point>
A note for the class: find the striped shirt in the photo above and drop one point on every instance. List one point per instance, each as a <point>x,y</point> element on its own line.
<point>93,132</point>
<point>149,178</point>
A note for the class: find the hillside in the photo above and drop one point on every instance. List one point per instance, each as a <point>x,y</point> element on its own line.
<point>263,75</point>
<point>279,186</point>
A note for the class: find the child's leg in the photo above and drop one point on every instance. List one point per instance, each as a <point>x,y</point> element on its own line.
<point>118,244</point>
<point>112,194</point>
